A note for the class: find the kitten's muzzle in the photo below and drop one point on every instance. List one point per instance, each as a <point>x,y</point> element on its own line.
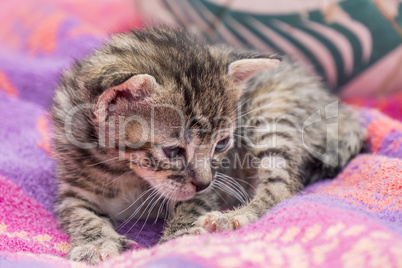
<point>179,179</point>
<point>199,187</point>
<point>200,178</point>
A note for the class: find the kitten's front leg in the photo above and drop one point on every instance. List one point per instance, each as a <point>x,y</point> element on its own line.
<point>276,185</point>
<point>93,238</point>
<point>184,214</point>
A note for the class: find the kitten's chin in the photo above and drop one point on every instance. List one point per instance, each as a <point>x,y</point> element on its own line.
<point>167,188</point>
<point>183,197</point>
<point>180,195</point>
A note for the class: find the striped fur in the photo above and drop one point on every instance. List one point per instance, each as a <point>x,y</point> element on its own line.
<point>277,103</point>
<point>98,183</point>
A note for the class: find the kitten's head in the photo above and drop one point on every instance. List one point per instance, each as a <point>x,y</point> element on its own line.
<point>169,104</point>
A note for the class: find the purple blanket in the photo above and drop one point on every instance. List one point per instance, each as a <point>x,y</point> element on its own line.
<point>354,220</point>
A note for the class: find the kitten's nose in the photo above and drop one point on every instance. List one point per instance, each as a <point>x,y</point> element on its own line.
<point>200,186</point>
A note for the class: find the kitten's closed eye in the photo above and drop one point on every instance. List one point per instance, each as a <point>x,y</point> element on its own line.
<point>222,145</point>
<point>174,152</point>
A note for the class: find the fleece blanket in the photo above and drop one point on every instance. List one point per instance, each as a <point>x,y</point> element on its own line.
<point>354,220</point>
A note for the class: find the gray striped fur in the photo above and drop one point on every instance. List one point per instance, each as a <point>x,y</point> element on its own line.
<point>96,187</point>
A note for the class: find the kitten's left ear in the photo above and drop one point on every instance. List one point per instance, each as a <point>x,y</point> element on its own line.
<point>242,70</point>
<point>132,92</point>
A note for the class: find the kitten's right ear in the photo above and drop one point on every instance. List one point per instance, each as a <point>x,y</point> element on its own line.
<point>133,91</point>
<point>242,70</point>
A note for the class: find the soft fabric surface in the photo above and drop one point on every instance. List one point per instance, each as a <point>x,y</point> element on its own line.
<point>356,45</point>
<point>354,220</point>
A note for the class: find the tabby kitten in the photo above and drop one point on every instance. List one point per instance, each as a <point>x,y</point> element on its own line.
<point>154,115</point>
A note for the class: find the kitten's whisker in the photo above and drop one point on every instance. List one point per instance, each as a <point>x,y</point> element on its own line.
<point>155,189</point>
<point>259,108</point>
<point>168,204</point>
<point>172,201</point>
<point>240,190</point>
<point>248,126</point>
<point>153,193</point>
<point>163,205</point>
<point>161,196</point>
<point>237,135</point>
<point>244,181</point>
<point>232,182</point>
<point>149,212</point>
<point>139,218</point>
<point>242,104</point>
<point>237,187</point>
<point>224,200</point>
<point>132,204</point>
<point>235,181</point>
<point>114,180</point>
<point>231,191</point>
<point>104,161</point>
<point>159,210</point>
<point>228,191</point>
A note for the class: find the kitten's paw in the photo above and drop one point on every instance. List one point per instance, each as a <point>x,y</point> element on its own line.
<point>190,231</point>
<point>100,249</point>
<point>217,221</point>
<point>196,231</point>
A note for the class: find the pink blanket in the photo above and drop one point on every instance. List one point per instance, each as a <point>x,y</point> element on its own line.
<point>354,220</point>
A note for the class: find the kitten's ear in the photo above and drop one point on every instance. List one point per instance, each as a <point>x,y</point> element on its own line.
<point>131,92</point>
<point>242,70</point>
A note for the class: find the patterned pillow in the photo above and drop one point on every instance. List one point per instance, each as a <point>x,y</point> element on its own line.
<point>354,44</point>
